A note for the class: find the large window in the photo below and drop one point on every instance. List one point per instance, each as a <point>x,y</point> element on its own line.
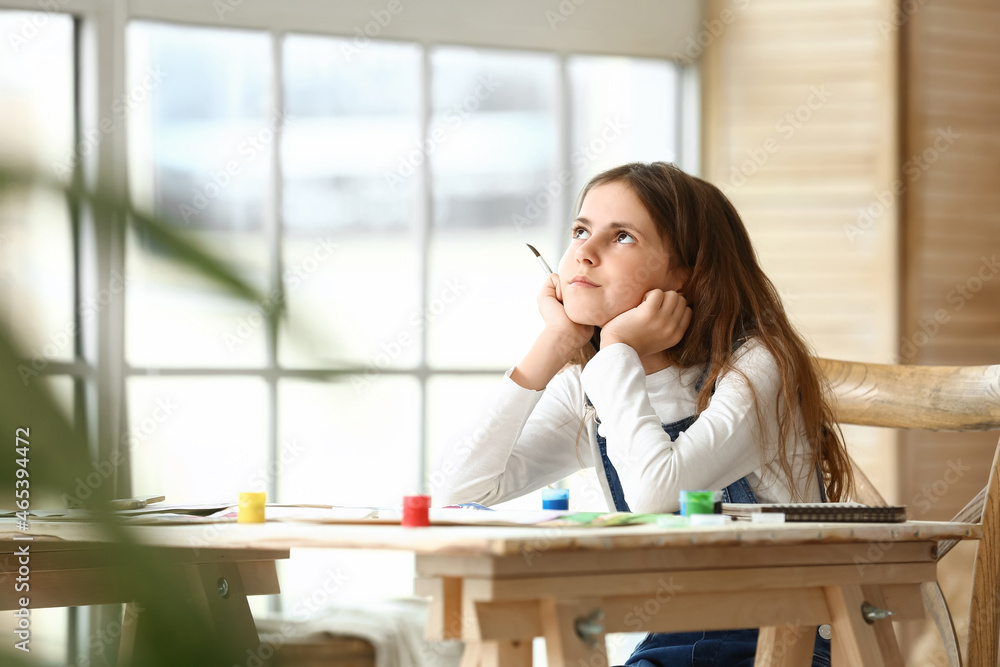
<point>381,192</point>
<point>384,196</point>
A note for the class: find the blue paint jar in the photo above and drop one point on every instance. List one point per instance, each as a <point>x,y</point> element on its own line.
<point>555,499</point>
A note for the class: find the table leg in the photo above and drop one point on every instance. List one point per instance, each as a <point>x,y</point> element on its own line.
<point>219,588</point>
<point>132,635</point>
<point>885,634</point>
<point>217,592</point>
<point>444,618</point>
<point>854,641</point>
<point>564,645</point>
<point>785,646</point>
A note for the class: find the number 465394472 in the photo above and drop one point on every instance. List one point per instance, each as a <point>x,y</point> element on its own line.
<point>21,448</point>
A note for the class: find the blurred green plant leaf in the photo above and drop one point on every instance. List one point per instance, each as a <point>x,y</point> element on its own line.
<point>178,631</point>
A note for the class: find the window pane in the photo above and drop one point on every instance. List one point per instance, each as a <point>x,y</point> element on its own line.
<point>36,250</point>
<point>201,132</point>
<point>353,123</point>
<point>197,440</point>
<point>494,134</point>
<point>494,169</point>
<point>623,110</point>
<point>342,444</point>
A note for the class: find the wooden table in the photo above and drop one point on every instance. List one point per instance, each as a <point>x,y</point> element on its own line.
<point>498,587</point>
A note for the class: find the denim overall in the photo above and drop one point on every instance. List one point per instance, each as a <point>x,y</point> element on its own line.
<point>718,648</point>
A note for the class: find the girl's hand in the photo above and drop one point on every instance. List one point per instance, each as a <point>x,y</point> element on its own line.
<point>656,324</point>
<point>570,335</point>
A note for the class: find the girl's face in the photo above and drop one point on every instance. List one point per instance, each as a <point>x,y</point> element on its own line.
<point>614,258</point>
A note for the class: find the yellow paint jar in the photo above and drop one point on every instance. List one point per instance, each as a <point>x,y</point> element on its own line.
<point>251,508</point>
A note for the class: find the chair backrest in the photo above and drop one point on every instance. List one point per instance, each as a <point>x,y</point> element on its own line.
<point>940,398</point>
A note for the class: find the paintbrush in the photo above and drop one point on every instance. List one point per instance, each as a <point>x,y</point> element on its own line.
<point>595,340</point>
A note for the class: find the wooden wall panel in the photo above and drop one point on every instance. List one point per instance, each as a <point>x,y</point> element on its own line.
<point>952,235</point>
<point>800,126</point>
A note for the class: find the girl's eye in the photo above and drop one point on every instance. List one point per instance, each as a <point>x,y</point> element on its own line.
<point>625,237</point>
<point>579,232</point>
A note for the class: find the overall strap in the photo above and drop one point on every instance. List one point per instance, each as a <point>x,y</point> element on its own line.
<point>739,491</point>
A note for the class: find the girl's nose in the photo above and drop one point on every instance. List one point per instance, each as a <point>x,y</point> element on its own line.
<point>585,252</point>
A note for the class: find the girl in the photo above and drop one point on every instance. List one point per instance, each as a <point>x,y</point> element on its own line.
<point>700,382</point>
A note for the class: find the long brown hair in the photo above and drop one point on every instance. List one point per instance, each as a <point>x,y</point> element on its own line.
<point>730,299</point>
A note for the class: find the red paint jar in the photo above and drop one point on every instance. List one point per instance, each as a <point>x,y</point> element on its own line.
<point>416,511</point>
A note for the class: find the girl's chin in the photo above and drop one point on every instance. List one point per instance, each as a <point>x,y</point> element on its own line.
<point>585,317</point>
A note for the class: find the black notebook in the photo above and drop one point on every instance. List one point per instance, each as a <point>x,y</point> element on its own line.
<point>825,512</point>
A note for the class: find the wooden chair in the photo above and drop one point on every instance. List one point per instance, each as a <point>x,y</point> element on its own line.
<point>940,398</point>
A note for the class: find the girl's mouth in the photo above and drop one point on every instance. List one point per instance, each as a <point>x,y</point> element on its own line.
<point>581,281</point>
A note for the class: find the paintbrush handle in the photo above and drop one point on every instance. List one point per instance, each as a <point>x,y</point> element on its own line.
<point>595,340</point>
<point>545,266</point>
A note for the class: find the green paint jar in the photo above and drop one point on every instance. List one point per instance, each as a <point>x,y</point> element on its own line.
<point>697,502</point>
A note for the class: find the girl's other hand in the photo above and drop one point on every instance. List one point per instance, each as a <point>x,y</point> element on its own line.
<point>656,324</point>
<point>571,335</point>
<point>556,344</point>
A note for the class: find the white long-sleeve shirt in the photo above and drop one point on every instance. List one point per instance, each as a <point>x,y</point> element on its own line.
<point>527,439</point>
